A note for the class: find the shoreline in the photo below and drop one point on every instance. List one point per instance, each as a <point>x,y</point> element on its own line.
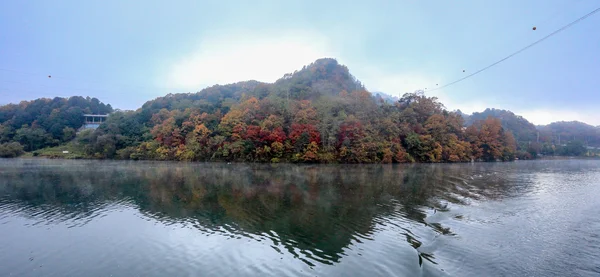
<point>306,163</point>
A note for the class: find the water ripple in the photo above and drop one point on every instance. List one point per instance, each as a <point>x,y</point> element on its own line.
<point>161,219</point>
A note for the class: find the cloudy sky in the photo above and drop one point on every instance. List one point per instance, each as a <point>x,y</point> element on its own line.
<point>128,52</point>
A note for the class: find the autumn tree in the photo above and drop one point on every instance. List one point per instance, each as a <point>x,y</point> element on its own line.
<point>320,113</point>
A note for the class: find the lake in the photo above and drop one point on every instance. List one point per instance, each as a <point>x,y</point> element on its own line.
<point>126,218</point>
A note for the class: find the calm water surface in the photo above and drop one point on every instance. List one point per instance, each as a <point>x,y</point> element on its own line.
<point>109,218</point>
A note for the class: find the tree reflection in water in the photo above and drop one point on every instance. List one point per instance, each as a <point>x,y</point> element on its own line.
<point>313,211</point>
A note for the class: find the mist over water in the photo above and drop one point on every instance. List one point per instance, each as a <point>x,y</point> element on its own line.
<point>97,218</point>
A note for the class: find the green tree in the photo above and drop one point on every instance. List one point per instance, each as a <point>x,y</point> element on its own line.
<point>11,150</point>
<point>34,138</point>
<point>68,134</point>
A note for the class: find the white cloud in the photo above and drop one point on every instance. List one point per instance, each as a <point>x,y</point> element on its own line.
<point>233,57</point>
<point>223,59</point>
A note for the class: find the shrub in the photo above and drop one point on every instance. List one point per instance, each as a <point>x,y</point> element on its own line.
<point>11,150</point>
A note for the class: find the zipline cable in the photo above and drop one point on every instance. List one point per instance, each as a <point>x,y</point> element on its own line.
<point>518,51</point>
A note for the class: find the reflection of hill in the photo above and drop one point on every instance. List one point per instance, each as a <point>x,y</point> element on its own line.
<point>316,210</point>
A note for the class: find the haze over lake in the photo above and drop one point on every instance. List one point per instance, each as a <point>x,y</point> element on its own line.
<point>115,218</point>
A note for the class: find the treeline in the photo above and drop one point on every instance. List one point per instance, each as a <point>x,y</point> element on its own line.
<point>566,139</point>
<point>318,114</point>
<point>558,138</point>
<point>32,125</point>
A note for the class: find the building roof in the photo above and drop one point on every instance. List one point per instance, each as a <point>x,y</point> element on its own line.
<point>96,115</point>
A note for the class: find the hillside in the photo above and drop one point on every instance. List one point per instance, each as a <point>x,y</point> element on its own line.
<point>570,131</point>
<point>558,138</point>
<point>320,113</point>
<point>523,130</point>
<point>46,122</point>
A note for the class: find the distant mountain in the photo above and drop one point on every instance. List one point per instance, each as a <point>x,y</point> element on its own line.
<point>571,131</point>
<point>523,130</point>
<point>559,138</point>
<point>554,133</point>
<point>465,116</point>
<point>390,99</point>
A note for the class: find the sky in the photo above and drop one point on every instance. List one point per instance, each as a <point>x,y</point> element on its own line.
<point>128,52</point>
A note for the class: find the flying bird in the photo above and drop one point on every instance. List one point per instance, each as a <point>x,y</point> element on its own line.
<point>534,28</point>
<point>49,76</point>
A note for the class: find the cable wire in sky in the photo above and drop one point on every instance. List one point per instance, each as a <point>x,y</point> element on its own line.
<point>519,51</point>
<point>115,86</point>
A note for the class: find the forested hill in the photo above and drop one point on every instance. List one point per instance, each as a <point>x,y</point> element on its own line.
<point>570,131</point>
<point>46,122</point>
<point>558,138</point>
<point>522,129</point>
<point>320,113</point>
